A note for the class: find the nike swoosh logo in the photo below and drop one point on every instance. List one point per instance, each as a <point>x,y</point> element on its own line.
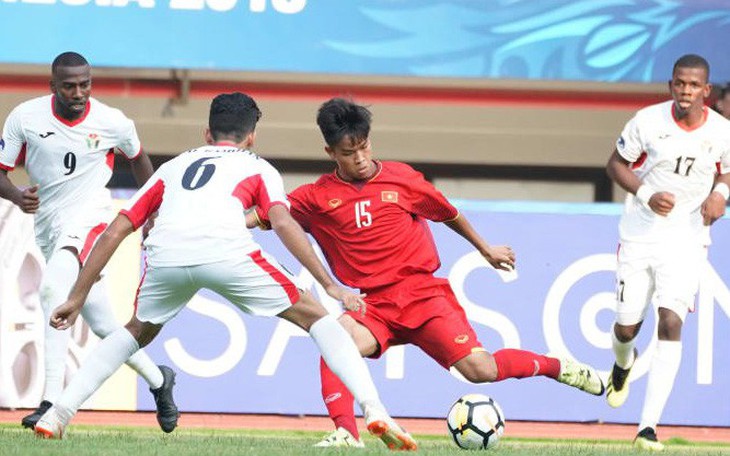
<point>46,134</point>
<point>74,237</point>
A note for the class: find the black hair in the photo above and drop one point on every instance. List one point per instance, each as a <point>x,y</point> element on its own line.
<point>692,61</point>
<point>339,118</point>
<point>68,59</point>
<point>233,115</point>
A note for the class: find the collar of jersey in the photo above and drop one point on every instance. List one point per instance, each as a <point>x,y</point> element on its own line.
<point>377,173</point>
<point>70,123</point>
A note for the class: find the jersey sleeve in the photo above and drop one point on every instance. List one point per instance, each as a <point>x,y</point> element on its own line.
<point>11,141</point>
<point>263,190</point>
<point>146,201</point>
<point>427,201</point>
<point>128,142</point>
<point>629,144</point>
<point>299,208</point>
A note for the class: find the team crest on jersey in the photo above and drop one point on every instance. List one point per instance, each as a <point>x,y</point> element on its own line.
<point>389,196</point>
<point>93,140</point>
<point>334,202</point>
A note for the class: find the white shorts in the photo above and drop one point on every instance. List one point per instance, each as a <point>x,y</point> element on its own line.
<point>255,283</point>
<point>80,232</point>
<point>669,274</point>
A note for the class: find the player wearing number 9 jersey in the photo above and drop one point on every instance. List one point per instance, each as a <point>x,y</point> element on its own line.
<point>66,141</point>
<point>200,240</point>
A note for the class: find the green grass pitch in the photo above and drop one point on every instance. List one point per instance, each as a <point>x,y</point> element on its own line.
<point>130,441</point>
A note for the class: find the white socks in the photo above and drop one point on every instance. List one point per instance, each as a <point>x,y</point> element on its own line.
<point>60,274</point>
<point>101,363</point>
<point>344,359</point>
<point>97,312</point>
<point>663,371</point>
<point>624,351</point>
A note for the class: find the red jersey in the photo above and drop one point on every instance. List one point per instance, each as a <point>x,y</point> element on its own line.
<point>374,233</point>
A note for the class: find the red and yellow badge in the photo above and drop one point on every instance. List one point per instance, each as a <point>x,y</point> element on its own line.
<point>93,140</point>
<point>334,202</point>
<point>389,196</point>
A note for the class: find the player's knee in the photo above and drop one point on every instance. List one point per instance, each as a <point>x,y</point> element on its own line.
<point>478,370</point>
<point>670,325</point>
<point>305,312</point>
<point>626,333</point>
<point>143,332</point>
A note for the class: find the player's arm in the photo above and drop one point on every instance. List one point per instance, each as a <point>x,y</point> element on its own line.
<point>65,315</point>
<point>619,170</point>
<point>499,256</point>
<point>27,199</point>
<point>254,221</point>
<point>293,237</point>
<point>141,167</point>
<point>714,205</point>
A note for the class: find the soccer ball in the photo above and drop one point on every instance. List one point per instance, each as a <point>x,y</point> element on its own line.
<point>475,422</point>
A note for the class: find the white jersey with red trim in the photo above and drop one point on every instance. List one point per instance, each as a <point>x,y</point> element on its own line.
<point>670,158</point>
<point>71,161</point>
<point>200,197</point>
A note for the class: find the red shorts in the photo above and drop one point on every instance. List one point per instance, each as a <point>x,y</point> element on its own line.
<point>423,311</point>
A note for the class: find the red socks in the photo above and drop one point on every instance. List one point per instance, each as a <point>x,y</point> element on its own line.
<point>338,399</point>
<point>512,363</point>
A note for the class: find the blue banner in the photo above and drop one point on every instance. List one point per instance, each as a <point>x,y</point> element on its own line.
<point>560,299</point>
<point>611,40</point>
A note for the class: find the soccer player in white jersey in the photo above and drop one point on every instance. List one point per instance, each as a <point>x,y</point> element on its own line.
<point>66,141</point>
<point>200,240</point>
<point>673,159</point>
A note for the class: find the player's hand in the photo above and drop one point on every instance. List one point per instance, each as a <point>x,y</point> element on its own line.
<point>350,301</point>
<point>713,208</point>
<point>662,203</point>
<point>500,257</point>
<point>29,200</point>
<point>65,315</point>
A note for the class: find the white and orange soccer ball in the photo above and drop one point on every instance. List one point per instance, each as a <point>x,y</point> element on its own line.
<point>475,422</point>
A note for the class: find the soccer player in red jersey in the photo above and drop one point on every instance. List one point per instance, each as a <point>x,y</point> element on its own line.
<point>369,217</point>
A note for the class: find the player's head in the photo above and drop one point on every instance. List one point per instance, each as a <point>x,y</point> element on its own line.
<point>71,84</point>
<point>689,85</point>
<point>233,117</point>
<point>345,127</point>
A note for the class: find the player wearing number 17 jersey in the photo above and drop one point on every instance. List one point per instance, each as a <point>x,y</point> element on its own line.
<point>66,141</point>
<point>370,219</point>
<point>667,158</point>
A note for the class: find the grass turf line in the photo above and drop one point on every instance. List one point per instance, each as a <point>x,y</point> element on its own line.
<point>82,440</point>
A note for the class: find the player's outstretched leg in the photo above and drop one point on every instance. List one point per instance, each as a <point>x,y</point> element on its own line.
<point>617,390</point>
<point>340,407</point>
<point>647,440</point>
<point>97,312</point>
<point>167,413</point>
<point>581,376</point>
<point>381,425</point>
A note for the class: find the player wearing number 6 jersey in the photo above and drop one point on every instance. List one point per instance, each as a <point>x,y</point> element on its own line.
<point>370,219</point>
<point>667,158</point>
<point>200,240</point>
<point>66,141</point>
